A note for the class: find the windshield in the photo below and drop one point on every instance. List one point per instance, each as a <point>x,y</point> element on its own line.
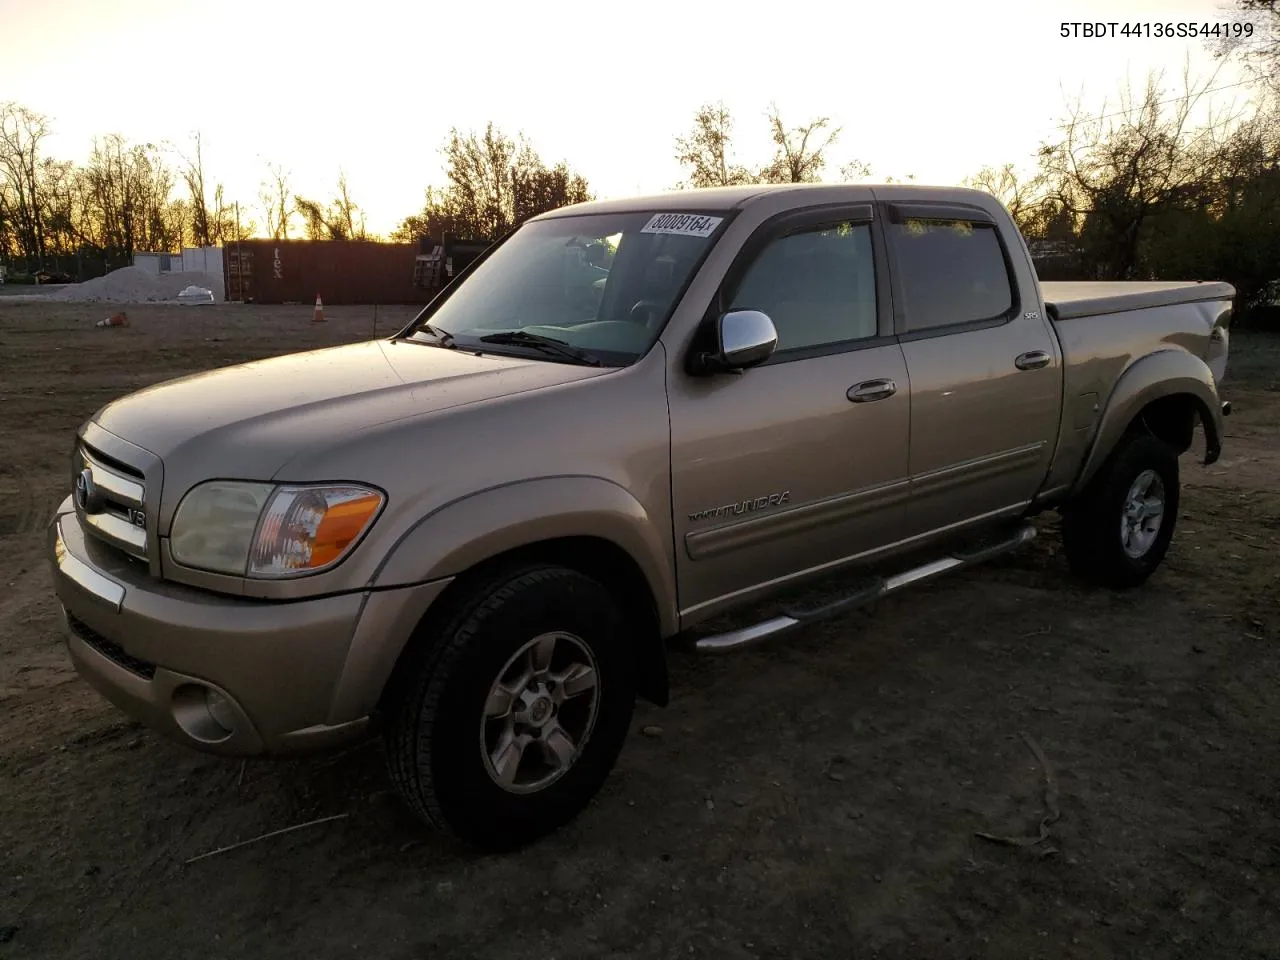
<point>603,284</point>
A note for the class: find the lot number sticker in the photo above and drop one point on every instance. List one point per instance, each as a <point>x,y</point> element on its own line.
<point>682,224</point>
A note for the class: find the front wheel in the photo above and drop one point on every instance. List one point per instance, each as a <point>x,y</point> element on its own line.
<point>1118,531</point>
<point>510,719</point>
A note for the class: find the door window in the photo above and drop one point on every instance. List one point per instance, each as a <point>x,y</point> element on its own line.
<point>817,286</point>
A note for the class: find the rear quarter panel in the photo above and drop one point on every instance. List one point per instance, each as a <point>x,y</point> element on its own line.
<point>1099,350</point>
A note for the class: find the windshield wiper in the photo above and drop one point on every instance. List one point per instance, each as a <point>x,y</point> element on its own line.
<point>545,344</point>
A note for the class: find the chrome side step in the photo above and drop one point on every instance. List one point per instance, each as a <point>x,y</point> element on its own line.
<point>868,592</point>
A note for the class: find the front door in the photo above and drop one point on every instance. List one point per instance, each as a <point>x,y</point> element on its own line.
<point>801,462</point>
<point>985,368</point>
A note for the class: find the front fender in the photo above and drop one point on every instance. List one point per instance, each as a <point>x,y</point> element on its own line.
<point>1163,374</point>
<point>457,535</point>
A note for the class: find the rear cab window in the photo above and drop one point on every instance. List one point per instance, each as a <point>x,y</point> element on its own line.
<point>951,270</point>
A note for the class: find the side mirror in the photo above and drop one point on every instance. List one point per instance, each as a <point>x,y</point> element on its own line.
<point>743,338</point>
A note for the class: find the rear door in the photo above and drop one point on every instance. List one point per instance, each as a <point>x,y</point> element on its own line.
<point>801,462</point>
<point>983,362</point>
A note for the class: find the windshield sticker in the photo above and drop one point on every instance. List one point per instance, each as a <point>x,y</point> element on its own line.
<point>682,224</point>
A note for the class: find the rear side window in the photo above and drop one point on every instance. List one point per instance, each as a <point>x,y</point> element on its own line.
<point>950,272</point>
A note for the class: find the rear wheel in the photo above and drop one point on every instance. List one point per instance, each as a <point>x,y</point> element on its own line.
<point>510,719</point>
<point>1118,531</point>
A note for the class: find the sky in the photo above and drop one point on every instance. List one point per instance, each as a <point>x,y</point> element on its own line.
<point>934,89</point>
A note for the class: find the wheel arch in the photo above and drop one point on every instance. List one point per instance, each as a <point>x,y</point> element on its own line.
<point>586,524</point>
<point>1163,394</point>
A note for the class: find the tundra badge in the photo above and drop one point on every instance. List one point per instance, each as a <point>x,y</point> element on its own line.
<point>742,506</point>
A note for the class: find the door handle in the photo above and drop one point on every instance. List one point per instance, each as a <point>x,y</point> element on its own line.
<point>871,390</point>
<point>1032,360</point>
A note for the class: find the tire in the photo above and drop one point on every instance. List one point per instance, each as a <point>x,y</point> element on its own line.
<point>1094,536</point>
<point>437,744</point>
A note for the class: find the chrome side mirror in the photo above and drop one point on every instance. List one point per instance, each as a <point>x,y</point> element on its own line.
<point>744,338</point>
<point>737,340</point>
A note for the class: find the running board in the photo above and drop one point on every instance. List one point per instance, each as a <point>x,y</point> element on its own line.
<point>867,592</point>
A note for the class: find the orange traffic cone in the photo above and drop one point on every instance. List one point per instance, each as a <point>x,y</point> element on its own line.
<point>318,316</point>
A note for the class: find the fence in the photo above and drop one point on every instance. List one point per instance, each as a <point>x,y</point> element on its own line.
<point>77,266</point>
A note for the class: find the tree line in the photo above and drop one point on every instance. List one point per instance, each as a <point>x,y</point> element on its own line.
<point>130,197</point>
<point>1137,190</point>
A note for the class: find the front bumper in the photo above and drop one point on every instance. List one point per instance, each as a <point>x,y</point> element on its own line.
<point>223,674</point>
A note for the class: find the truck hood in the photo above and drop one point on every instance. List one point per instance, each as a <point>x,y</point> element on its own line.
<point>248,420</point>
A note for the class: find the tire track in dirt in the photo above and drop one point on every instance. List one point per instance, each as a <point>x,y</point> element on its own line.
<point>27,605</point>
<point>19,506</point>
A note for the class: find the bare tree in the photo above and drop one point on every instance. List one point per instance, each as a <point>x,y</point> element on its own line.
<point>1232,230</point>
<point>202,223</point>
<point>345,213</point>
<point>1004,184</point>
<point>1259,51</point>
<point>800,152</point>
<point>239,224</point>
<point>59,186</point>
<point>1025,198</point>
<point>314,217</point>
<point>340,219</point>
<point>854,170</point>
<point>1110,173</point>
<point>22,131</point>
<point>120,201</point>
<point>222,219</point>
<point>128,198</point>
<point>278,201</point>
<point>705,150</point>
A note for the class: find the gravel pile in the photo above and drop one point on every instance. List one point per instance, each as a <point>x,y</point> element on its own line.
<point>131,285</point>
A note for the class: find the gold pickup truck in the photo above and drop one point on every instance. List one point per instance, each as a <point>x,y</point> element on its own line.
<point>477,537</point>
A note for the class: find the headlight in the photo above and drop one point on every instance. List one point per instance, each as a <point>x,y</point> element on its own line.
<point>305,529</point>
<point>214,525</point>
<point>267,531</point>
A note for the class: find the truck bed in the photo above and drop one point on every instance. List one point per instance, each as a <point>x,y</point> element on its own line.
<point>1066,300</point>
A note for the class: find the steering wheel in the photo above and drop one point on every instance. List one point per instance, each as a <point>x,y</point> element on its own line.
<point>652,307</point>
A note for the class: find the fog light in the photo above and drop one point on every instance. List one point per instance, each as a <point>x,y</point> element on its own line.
<point>220,709</point>
<point>203,713</point>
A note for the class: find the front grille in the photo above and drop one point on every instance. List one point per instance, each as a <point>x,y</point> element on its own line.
<point>116,511</point>
<point>118,466</point>
<point>111,650</point>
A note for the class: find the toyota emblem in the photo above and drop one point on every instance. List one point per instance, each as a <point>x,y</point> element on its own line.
<point>86,491</point>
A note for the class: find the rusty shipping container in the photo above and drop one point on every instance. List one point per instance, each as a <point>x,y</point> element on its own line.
<point>340,271</point>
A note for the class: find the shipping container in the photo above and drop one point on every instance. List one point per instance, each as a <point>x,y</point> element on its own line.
<point>340,271</point>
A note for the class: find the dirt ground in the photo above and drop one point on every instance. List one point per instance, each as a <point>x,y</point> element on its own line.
<point>819,797</point>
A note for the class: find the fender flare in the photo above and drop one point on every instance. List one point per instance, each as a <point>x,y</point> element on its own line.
<point>1166,373</point>
<point>455,536</point>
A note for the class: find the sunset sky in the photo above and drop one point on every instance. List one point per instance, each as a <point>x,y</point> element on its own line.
<point>931,89</point>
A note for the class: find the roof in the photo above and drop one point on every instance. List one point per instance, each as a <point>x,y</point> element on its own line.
<point>704,198</point>
<point>739,197</point>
